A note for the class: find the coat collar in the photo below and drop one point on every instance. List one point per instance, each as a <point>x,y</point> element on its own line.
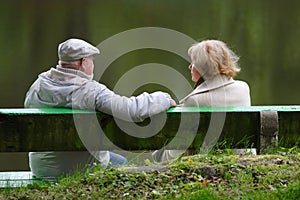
<point>211,84</point>
<point>65,75</point>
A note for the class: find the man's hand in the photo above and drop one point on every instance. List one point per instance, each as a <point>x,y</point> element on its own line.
<point>173,103</point>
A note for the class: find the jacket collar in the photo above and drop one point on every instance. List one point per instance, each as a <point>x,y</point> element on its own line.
<point>211,84</point>
<point>65,75</point>
<point>72,71</point>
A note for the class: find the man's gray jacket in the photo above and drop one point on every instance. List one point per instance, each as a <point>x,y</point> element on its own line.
<point>62,87</point>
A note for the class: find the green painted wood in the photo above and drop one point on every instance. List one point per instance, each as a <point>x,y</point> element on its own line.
<point>46,132</point>
<point>50,111</point>
<point>23,130</point>
<point>294,108</point>
<point>17,179</point>
<point>289,129</point>
<point>42,111</point>
<point>35,132</point>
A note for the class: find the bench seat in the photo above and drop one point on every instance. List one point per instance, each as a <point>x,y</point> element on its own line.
<point>17,179</point>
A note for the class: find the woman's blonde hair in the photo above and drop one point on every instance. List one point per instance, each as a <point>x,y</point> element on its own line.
<point>213,57</point>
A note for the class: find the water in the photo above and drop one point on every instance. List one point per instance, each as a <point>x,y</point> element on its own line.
<point>263,33</point>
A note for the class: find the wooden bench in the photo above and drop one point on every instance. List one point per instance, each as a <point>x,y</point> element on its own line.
<point>25,130</point>
<point>17,179</point>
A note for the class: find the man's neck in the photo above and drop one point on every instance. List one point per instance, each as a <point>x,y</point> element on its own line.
<point>70,66</point>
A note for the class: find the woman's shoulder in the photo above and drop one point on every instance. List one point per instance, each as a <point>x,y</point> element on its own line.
<point>241,84</point>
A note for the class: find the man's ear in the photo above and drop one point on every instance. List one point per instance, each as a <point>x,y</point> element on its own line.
<point>81,64</point>
<point>82,60</point>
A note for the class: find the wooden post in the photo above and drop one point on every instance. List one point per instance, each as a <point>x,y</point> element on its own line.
<point>268,130</point>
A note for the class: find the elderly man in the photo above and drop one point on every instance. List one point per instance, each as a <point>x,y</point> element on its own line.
<point>70,85</point>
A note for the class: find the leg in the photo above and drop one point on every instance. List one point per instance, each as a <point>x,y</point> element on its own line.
<point>116,159</point>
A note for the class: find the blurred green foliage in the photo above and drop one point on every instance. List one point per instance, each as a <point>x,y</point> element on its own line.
<point>263,33</point>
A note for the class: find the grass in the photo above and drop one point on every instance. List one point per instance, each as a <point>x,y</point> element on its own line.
<point>219,175</point>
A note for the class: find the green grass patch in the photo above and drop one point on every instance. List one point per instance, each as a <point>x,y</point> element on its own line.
<point>220,175</point>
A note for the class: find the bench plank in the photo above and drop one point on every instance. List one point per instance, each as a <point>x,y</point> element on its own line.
<point>17,179</point>
<point>53,129</point>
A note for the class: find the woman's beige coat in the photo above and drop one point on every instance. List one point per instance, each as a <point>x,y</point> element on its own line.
<point>219,91</point>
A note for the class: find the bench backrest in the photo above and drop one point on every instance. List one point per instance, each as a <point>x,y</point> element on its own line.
<point>57,129</point>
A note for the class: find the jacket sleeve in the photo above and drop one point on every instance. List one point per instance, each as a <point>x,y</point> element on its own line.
<point>131,108</point>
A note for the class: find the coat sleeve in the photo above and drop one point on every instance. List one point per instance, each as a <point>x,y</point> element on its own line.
<point>135,108</point>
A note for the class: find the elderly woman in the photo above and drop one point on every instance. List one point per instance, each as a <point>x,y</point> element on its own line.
<point>212,69</point>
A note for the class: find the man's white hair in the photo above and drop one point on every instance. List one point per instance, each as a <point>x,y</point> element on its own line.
<point>73,62</point>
